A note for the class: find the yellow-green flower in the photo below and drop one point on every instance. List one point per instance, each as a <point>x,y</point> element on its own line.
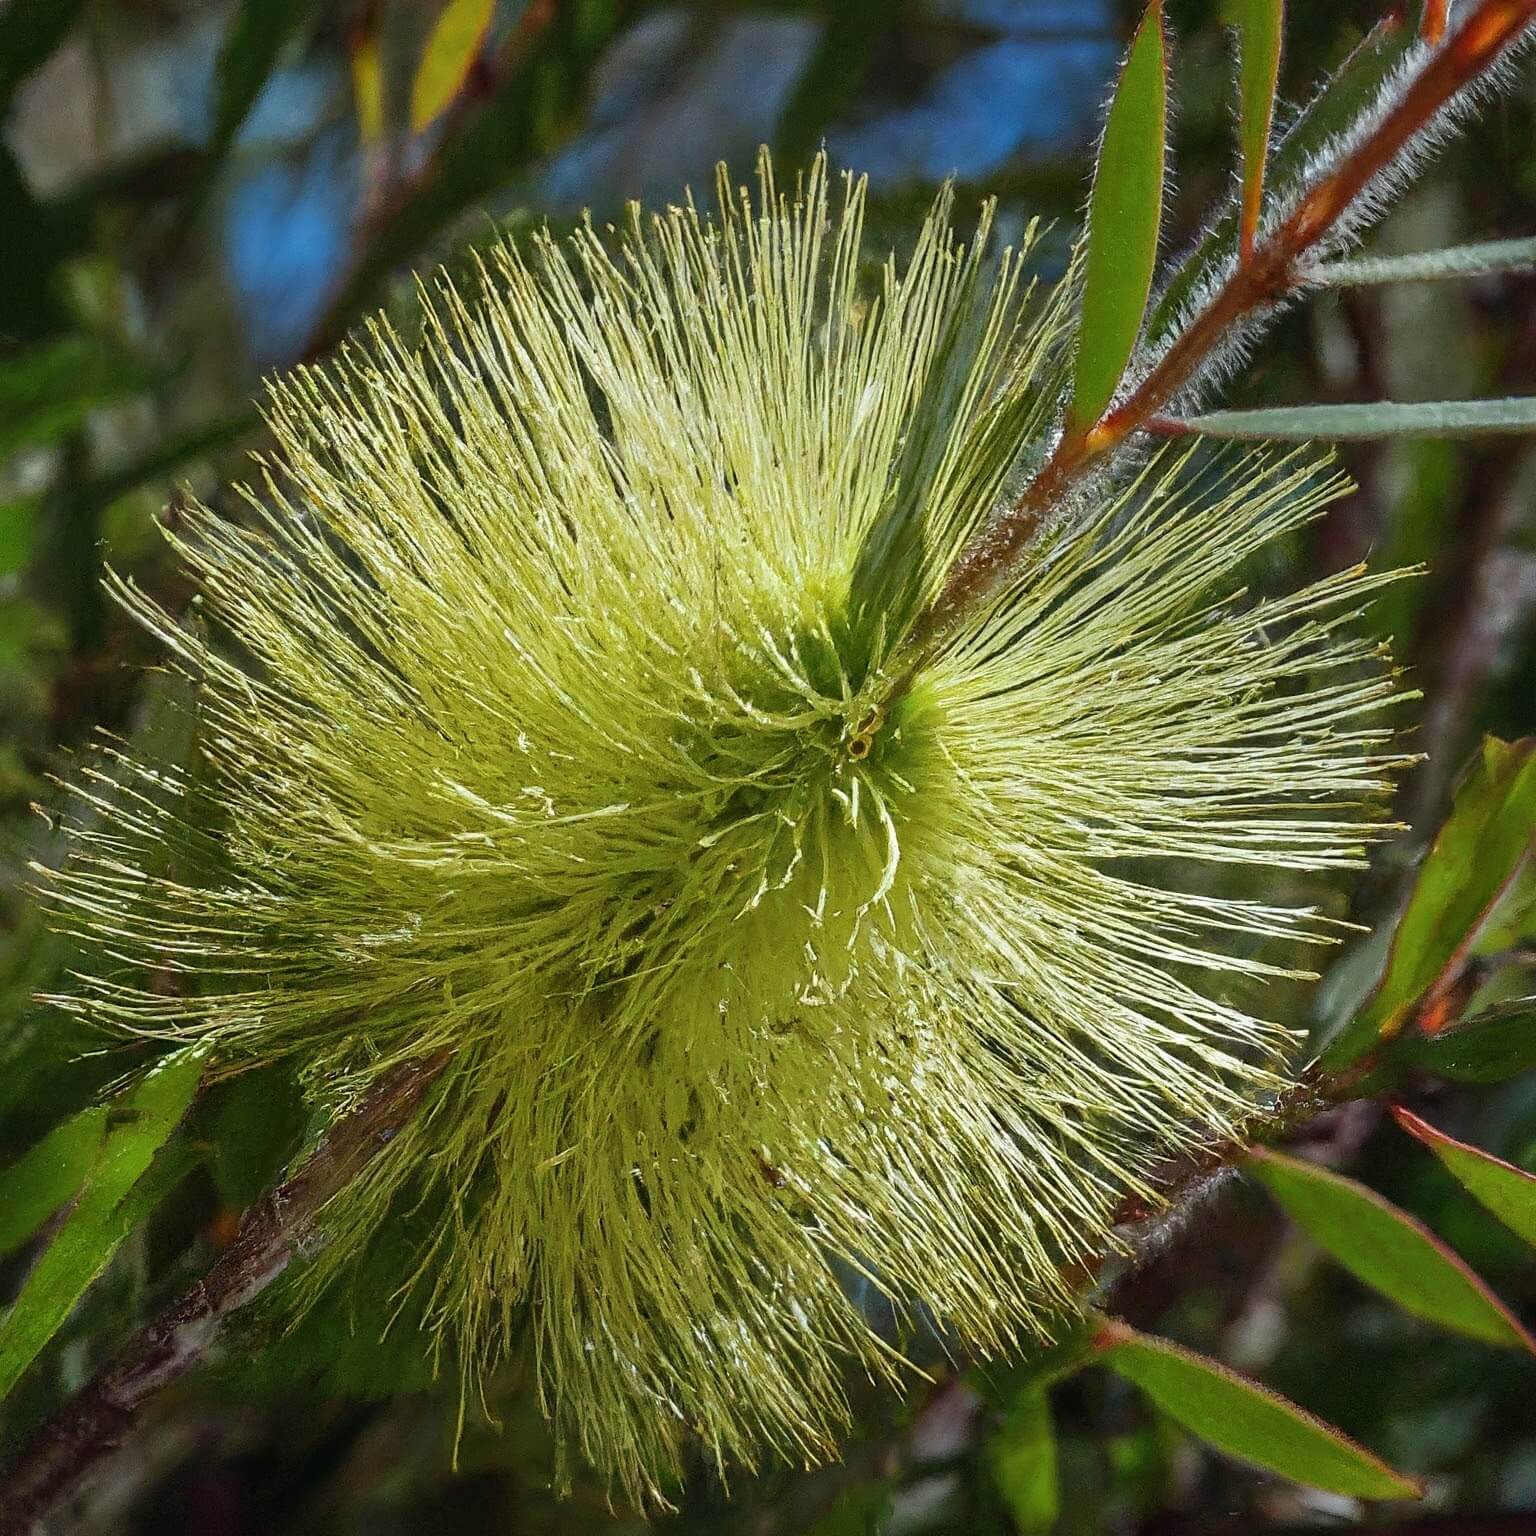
<point>547,697</point>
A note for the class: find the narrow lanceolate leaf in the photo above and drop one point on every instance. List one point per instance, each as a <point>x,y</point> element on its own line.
<point>49,389</point>
<point>1248,1421</point>
<point>256,37</point>
<point>1369,419</point>
<point>1387,1249</point>
<point>1494,1046</point>
<point>1474,863</point>
<point>368,88</point>
<point>138,1125</point>
<point>48,1175</point>
<point>1124,216</point>
<point>1346,98</point>
<point>449,55</point>
<point>1260,24</point>
<point>1455,261</point>
<point>1507,1191</point>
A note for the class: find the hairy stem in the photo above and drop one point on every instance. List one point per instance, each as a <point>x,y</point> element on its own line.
<point>99,1416</point>
<point>1264,280</point>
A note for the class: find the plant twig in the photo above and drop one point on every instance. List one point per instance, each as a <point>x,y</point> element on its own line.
<point>1269,277</point>
<point>99,1416</point>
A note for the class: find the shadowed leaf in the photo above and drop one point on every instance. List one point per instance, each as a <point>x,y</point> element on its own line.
<point>50,389</point>
<point>1387,1249</point>
<point>1023,1459</point>
<point>256,38</point>
<point>1248,1421</point>
<point>861,1511</point>
<point>1124,217</point>
<point>1496,1045</point>
<point>1507,1191</point>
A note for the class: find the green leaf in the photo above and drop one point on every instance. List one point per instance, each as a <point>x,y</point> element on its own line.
<point>1023,1459</point>
<point>368,88</point>
<point>1507,1191</point>
<point>1260,25</point>
<point>48,390</point>
<point>1124,216</point>
<point>1365,420</point>
<point>47,1176</point>
<point>18,531</point>
<point>255,1125</point>
<point>450,52</point>
<point>512,125</point>
<point>829,85</point>
<point>138,1125</point>
<point>1248,1421</point>
<point>363,1340</point>
<point>1387,1249</point>
<point>1497,1044</point>
<point>1455,261</point>
<point>251,48</point>
<point>1476,858</point>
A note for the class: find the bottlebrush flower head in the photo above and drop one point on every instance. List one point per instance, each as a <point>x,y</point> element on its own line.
<point>547,700</point>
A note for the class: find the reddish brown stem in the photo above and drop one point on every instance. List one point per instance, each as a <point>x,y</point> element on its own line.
<point>99,1416</point>
<point>1254,286</point>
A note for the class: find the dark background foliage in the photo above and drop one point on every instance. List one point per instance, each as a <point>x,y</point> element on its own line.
<point>192,195</point>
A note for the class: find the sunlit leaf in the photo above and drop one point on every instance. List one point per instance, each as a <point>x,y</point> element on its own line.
<point>1260,25</point>
<point>1022,1454</point>
<point>137,1126</point>
<point>1497,1044</point>
<point>1387,1249</point>
<point>1124,216</point>
<point>368,88</point>
<point>47,1176</point>
<point>1507,1191</point>
<point>560,45</point>
<point>1365,420</point>
<point>1248,1421</point>
<point>1475,858</point>
<point>1348,96</point>
<point>450,53</point>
